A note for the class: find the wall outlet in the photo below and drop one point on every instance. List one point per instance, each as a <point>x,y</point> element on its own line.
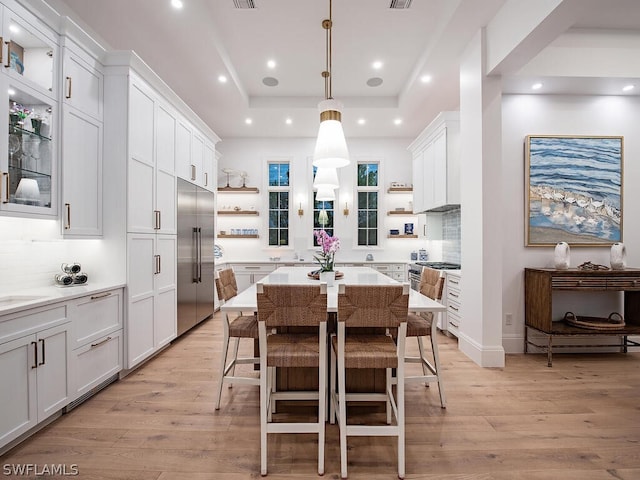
<point>508,319</point>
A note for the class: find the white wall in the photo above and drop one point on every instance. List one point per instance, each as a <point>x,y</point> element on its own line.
<point>560,115</point>
<point>251,155</point>
<point>32,251</point>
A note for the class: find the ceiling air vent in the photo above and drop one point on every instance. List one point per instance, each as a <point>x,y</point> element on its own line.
<point>246,3</point>
<point>400,4</point>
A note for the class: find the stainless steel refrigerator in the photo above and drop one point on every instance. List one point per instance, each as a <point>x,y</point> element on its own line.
<point>196,285</point>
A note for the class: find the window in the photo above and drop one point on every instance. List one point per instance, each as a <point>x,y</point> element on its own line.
<point>368,203</point>
<point>318,221</point>
<point>278,203</point>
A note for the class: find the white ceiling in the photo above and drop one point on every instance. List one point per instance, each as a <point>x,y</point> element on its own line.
<point>190,48</point>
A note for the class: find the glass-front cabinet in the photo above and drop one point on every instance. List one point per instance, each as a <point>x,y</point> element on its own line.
<point>28,183</point>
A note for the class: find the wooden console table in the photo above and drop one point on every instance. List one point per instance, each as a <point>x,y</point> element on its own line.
<point>539,285</point>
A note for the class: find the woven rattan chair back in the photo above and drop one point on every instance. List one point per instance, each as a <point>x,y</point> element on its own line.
<point>226,284</point>
<point>292,305</point>
<point>431,283</point>
<point>372,305</point>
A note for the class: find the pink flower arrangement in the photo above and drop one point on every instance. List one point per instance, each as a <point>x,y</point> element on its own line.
<point>330,245</point>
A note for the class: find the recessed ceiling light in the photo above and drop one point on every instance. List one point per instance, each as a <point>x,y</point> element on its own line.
<point>11,91</point>
<point>271,64</point>
<point>361,121</point>
<point>377,65</point>
<point>222,79</point>
<point>536,86</point>
<point>374,82</point>
<point>425,78</point>
<point>177,4</point>
<point>248,121</point>
<point>628,88</point>
<point>13,28</point>
<point>397,121</point>
<point>288,121</point>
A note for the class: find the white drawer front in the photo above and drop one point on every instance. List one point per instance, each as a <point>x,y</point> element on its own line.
<point>95,362</point>
<point>96,316</point>
<point>19,324</point>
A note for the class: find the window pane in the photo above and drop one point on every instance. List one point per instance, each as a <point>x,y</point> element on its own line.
<point>362,200</point>
<point>372,174</point>
<point>362,174</point>
<point>284,237</point>
<point>273,237</point>
<point>362,219</point>
<point>362,237</point>
<point>284,174</point>
<point>373,200</point>
<point>284,200</point>
<point>273,174</point>
<point>373,237</point>
<point>284,219</point>
<point>273,219</point>
<point>273,200</point>
<point>373,219</point>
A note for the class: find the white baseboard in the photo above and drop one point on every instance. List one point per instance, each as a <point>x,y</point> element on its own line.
<point>483,355</point>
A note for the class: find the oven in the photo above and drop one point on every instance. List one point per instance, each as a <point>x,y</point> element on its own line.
<point>415,270</point>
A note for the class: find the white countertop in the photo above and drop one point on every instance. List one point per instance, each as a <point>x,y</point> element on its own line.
<point>24,299</point>
<point>246,300</point>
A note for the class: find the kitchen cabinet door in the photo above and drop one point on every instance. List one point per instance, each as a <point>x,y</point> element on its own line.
<point>81,174</point>
<point>165,182</point>
<point>166,318</point>
<point>83,81</point>
<point>18,395</point>
<point>209,169</point>
<point>52,371</point>
<point>197,159</point>
<point>183,152</point>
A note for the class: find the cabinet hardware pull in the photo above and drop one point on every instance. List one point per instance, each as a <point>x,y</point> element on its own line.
<point>68,95</point>
<point>1,50</point>
<point>8,62</point>
<point>96,297</point>
<point>6,186</point>
<point>453,294</point>
<point>455,282</point>
<point>157,262</point>
<point>67,206</point>
<point>35,355</point>
<point>43,359</point>
<point>94,345</point>
<point>194,237</point>
<point>193,172</point>
<point>206,179</point>
<point>453,308</point>
<point>156,219</point>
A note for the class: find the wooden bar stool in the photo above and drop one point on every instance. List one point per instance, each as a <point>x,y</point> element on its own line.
<point>241,326</point>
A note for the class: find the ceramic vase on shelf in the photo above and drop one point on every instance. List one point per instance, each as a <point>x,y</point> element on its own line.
<point>562,256</point>
<point>328,277</point>
<point>618,256</point>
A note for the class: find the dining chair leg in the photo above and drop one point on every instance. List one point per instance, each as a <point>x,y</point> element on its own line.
<point>388,387</point>
<point>425,370</point>
<point>332,388</point>
<point>401,426</point>
<point>223,367</point>
<point>438,368</point>
<point>272,403</point>
<point>322,398</point>
<point>342,414</point>
<point>235,358</point>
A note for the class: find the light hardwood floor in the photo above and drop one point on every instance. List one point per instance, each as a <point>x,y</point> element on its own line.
<point>579,420</point>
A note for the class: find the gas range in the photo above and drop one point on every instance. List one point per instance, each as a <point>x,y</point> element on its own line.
<point>440,265</point>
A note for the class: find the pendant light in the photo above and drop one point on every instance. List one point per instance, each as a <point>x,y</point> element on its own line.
<point>325,194</point>
<point>331,146</point>
<point>326,177</point>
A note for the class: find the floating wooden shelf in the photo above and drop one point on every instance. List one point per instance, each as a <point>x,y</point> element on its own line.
<point>400,212</point>
<point>237,212</point>
<point>238,190</point>
<point>402,236</point>
<point>400,190</point>
<point>226,235</point>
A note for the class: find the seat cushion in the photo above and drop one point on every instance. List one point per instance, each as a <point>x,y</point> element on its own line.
<point>368,351</point>
<point>244,326</point>
<point>419,325</point>
<point>293,350</point>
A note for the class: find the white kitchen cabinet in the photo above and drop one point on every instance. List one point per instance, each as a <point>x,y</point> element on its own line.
<point>81,174</point>
<point>210,179</point>
<point>34,353</point>
<point>152,308</point>
<point>452,296</point>
<point>436,165</point>
<point>184,169</point>
<point>96,340</point>
<point>248,274</point>
<point>82,142</point>
<point>29,50</point>
<point>195,157</point>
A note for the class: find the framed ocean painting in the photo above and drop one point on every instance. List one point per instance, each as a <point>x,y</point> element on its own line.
<point>573,190</point>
